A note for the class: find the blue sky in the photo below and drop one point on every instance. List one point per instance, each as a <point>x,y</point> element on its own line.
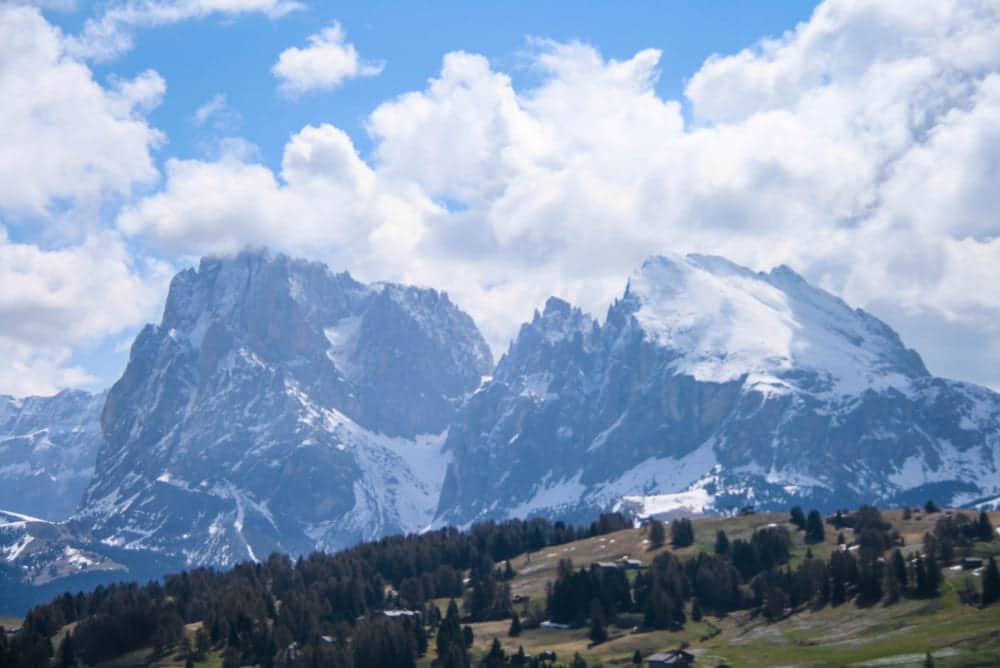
<point>202,58</point>
<point>501,151</point>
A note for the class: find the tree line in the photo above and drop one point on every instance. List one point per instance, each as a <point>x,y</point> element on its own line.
<point>754,574</point>
<point>323,609</point>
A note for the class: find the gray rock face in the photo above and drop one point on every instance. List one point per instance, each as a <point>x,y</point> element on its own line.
<point>278,406</point>
<point>48,446</point>
<point>711,386</point>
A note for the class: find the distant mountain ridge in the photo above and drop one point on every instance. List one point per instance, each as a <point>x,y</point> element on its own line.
<point>48,446</point>
<point>279,406</point>
<point>713,386</point>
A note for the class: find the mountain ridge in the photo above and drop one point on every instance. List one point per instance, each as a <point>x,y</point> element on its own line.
<point>279,406</point>
<point>722,384</point>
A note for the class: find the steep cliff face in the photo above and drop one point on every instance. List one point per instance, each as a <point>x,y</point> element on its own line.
<point>278,406</point>
<point>712,386</point>
<point>48,446</point>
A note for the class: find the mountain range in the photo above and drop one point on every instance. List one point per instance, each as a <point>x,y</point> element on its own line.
<point>279,406</point>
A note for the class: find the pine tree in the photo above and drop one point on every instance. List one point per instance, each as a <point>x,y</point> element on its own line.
<point>515,626</point>
<point>721,543</point>
<point>798,518</point>
<point>637,658</point>
<point>815,533</point>
<point>681,532</point>
<point>450,634</point>
<point>696,610</point>
<point>933,577</point>
<point>928,659</point>
<point>598,633</point>
<point>578,661</point>
<point>930,507</point>
<point>657,534</point>
<point>991,583</point>
<point>67,651</point>
<point>984,528</point>
<point>496,655</point>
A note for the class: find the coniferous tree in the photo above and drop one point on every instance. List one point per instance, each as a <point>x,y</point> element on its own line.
<point>456,657</point>
<point>991,583</point>
<point>67,652</point>
<point>815,533</point>
<point>657,534</point>
<point>899,568</point>
<point>984,528</point>
<point>681,532</point>
<point>637,658</point>
<point>930,507</point>
<point>598,632</point>
<point>496,657</point>
<point>933,577</point>
<point>515,626</point>
<point>721,543</point>
<point>450,633</point>
<point>798,518</point>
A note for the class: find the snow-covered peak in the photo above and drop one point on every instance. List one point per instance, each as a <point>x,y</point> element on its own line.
<point>560,321</point>
<point>726,322</point>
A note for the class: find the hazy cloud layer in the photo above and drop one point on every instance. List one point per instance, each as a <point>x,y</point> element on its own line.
<point>111,34</point>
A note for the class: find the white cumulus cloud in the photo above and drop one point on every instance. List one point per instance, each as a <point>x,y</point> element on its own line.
<point>327,62</point>
<point>64,135</point>
<point>860,148</point>
<point>54,299</point>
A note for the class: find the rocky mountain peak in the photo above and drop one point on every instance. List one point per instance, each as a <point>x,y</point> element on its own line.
<point>297,407</point>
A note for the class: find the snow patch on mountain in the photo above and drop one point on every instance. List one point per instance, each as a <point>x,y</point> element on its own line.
<point>550,497</point>
<point>343,338</point>
<point>726,322</point>
<point>695,501</point>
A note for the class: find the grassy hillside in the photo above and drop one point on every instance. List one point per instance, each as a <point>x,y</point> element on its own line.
<point>896,635</point>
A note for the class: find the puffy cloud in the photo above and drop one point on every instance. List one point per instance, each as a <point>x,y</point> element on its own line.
<point>327,196</point>
<point>65,136</point>
<point>325,64</point>
<point>52,300</point>
<point>110,35</point>
<point>860,148</point>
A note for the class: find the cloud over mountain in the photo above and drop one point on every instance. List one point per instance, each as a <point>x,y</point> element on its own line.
<point>814,149</point>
